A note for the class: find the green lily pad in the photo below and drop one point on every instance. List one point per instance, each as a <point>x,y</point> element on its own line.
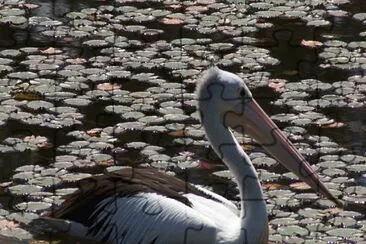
<point>24,189</point>
<point>224,174</point>
<point>283,221</point>
<point>32,206</point>
<point>45,181</point>
<point>344,232</point>
<point>22,217</point>
<point>73,177</point>
<point>293,230</point>
<point>344,222</point>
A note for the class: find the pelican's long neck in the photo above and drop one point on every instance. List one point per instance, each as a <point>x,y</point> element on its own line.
<point>253,214</point>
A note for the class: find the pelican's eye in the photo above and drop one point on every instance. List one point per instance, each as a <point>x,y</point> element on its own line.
<point>242,92</point>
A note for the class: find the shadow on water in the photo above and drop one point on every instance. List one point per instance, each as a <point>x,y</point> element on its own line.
<point>299,62</point>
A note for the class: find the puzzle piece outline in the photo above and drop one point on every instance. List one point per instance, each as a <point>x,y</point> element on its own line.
<point>187,146</point>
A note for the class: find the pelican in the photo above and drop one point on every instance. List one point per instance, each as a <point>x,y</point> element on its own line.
<point>143,205</point>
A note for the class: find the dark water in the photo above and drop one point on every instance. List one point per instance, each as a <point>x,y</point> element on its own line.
<point>283,42</point>
<point>284,45</point>
<point>305,64</point>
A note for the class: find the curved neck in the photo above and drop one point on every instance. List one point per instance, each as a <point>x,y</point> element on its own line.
<point>253,215</point>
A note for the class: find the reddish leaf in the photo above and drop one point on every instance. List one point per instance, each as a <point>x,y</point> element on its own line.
<point>172,21</point>
<point>271,186</point>
<point>26,95</point>
<point>333,125</point>
<point>177,133</point>
<point>8,225</point>
<point>355,97</point>
<point>40,141</point>
<point>174,6</point>
<point>108,86</point>
<point>311,43</point>
<point>39,242</point>
<point>206,165</point>
<point>300,186</point>
<point>276,84</point>
<point>51,50</point>
<point>94,132</point>
<point>334,210</point>
<point>107,163</point>
<point>91,17</point>
<point>247,147</point>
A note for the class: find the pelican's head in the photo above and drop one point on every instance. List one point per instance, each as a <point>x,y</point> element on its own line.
<point>222,90</point>
<point>224,98</point>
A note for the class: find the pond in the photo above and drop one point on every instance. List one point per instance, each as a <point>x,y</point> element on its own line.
<point>90,85</point>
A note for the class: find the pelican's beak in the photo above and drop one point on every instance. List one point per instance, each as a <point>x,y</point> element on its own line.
<point>249,118</point>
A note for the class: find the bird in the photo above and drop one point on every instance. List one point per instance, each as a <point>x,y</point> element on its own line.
<point>144,205</point>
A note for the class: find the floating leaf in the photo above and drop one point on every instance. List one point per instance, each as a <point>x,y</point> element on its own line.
<point>284,221</point>
<point>276,84</point>
<point>172,21</point>
<point>26,95</point>
<point>186,153</point>
<point>224,174</point>
<point>40,141</point>
<point>300,186</point>
<point>247,147</point>
<point>74,177</point>
<point>24,189</point>
<point>45,181</point>
<point>107,162</point>
<point>197,8</point>
<point>355,97</point>
<point>311,43</point>
<point>177,133</point>
<point>174,6</point>
<point>332,125</point>
<point>94,132</point>
<point>271,186</point>
<point>51,50</point>
<point>32,206</point>
<point>5,184</point>
<point>108,86</point>
<point>344,232</point>
<point>31,5</point>
<point>76,60</point>
<point>334,210</point>
<point>292,230</point>
<point>7,224</point>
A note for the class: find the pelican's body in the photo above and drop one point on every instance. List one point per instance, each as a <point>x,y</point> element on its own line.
<point>143,205</point>
<point>147,206</point>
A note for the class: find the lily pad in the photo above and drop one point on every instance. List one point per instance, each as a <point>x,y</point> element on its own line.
<point>293,230</point>
<point>344,232</point>
<point>24,189</point>
<point>32,206</point>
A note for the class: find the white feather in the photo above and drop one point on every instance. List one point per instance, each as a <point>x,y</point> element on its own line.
<point>149,217</point>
